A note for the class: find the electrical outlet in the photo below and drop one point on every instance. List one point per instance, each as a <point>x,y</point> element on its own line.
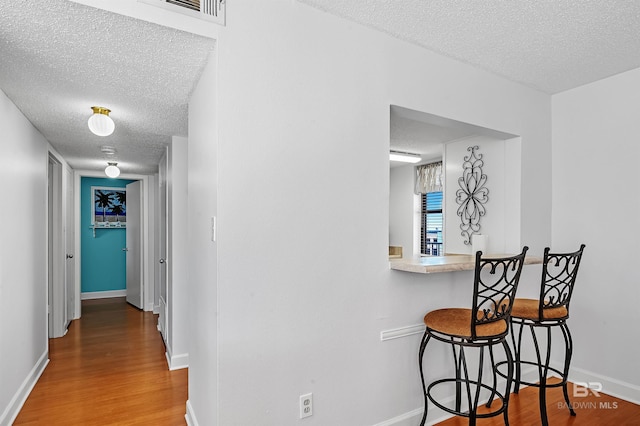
<point>306,405</point>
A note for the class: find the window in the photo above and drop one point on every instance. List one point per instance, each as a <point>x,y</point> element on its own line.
<point>431,224</point>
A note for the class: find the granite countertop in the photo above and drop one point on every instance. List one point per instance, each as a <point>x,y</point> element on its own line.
<point>447,263</point>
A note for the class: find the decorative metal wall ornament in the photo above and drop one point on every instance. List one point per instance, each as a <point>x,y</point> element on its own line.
<point>472,194</point>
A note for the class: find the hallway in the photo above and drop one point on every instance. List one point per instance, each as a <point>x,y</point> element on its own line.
<point>110,368</point>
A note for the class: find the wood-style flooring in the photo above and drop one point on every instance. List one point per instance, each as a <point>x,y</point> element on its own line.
<point>591,410</point>
<point>109,369</point>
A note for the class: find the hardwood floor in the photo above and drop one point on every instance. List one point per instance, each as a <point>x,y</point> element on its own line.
<point>109,369</point>
<point>590,410</point>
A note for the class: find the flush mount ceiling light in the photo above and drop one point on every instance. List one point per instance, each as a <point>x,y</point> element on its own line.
<point>405,157</point>
<point>112,170</point>
<point>100,123</point>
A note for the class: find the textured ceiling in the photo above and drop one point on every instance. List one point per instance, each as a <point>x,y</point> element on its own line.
<point>550,45</point>
<point>59,58</point>
<point>413,132</point>
<point>421,133</point>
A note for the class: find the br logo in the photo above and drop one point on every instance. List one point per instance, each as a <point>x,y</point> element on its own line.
<point>582,389</point>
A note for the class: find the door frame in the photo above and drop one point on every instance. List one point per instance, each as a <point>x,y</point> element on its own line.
<point>69,243</point>
<point>162,246</point>
<point>56,294</point>
<point>148,240</point>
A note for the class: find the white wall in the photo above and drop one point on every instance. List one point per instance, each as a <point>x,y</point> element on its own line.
<point>304,286</point>
<point>402,209</point>
<point>494,156</point>
<point>23,261</point>
<point>203,252</point>
<point>595,155</point>
<point>177,253</point>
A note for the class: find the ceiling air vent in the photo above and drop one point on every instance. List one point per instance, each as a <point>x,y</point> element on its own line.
<point>189,4</point>
<point>207,7</point>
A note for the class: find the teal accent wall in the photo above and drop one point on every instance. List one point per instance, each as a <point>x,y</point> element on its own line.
<point>103,263</point>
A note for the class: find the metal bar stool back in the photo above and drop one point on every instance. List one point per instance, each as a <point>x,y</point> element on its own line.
<point>483,326</point>
<point>551,309</point>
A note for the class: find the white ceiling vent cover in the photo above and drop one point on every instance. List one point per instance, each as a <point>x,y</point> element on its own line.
<point>212,10</point>
<point>208,7</point>
<point>189,4</point>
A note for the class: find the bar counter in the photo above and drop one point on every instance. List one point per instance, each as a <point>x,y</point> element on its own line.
<point>447,263</point>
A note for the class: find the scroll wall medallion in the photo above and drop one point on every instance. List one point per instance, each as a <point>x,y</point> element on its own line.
<point>472,194</point>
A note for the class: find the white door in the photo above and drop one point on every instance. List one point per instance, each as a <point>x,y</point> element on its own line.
<point>133,249</point>
<point>162,267</point>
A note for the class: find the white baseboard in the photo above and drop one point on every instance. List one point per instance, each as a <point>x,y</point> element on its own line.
<point>176,362</point>
<point>149,307</point>
<point>190,417</point>
<point>156,309</point>
<point>162,320</point>
<point>102,294</point>
<point>11,412</point>
<point>410,418</point>
<point>413,417</point>
<point>610,386</point>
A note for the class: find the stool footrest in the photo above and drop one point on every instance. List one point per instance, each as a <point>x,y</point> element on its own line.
<point>537,385</point>
<point>462,382</point>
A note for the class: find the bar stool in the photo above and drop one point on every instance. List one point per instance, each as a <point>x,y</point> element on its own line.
<point>485,325</point>
<point>551,309</point>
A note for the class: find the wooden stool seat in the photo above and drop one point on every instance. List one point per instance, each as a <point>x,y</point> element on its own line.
<point>457,322</point>
<point>529,309</point>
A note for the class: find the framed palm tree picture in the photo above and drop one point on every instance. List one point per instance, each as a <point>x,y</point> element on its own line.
<point>109,208</point>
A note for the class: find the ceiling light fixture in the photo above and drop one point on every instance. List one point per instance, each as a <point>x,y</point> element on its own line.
<point>405,157</point>
<point>112,170</point>
<point>100,123</point>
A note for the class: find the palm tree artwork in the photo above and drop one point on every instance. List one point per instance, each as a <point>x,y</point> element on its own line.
<point>109,208</point>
